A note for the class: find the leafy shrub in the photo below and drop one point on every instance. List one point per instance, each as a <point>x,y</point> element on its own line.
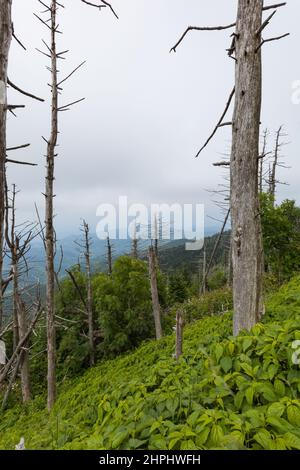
<point>224,393</point>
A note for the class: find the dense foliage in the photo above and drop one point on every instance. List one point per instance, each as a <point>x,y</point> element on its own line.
<point>281,235</point>
<point>225,392</point>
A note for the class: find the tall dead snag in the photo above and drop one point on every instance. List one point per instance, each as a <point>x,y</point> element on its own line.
<point>49,228</point>
<point>245,49</point>
<point>89,302</point>
<point>179,334</point>
<point>154,292</point>
<point>18,241</point>
<point>5,41</point>
<point>245,212</point>
<point>262,157</point>
<point>56,89</point>
<point>273,181</point>
<point>109,256</point>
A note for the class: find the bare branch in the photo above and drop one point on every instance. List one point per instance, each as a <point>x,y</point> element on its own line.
<point>271,39</point>
<point>30,95</point>
<point>103,4</point>
<point>198,28</point>
<point>277,5</point>
<point>219,122</point>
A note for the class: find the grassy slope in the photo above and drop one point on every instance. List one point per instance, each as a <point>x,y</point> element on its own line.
<point>224,393</point>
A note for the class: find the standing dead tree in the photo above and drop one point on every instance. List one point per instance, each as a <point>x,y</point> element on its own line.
<point>18,239</point>
<point>6,35</point>
<point>179,334</point>
<point>109,255</point>
<point>245,49</point>
<point>15,360</point>
<point>89,300</point>
<point>56,89</point>
<point>5,42</point>
<point>276,163</point>
<point>262,157</point>
<point>154,292</point>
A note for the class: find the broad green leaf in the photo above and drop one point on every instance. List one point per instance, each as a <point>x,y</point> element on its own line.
<point>264,439</point>
<point>249,395</point>
<point>276,409</point>
<point>218,351</point>
<point>226,363</point>
<point>292,441</point>
<point>293,414</point>
<point>246,344</point>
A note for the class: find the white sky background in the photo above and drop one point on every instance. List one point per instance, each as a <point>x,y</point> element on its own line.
<point>147,112</point>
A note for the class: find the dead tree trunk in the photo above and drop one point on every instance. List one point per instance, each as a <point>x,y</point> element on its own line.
<point>109,256</point>
<point>203,285</point>
<point>49,228</point>
<point>89,303</point>
<point>5,41</point>
<point>154,293</point>
<point>179,334</point>
<point>273,170</point>
<point>245,211</point>
<point>17,251</point>
<point>262,157</point>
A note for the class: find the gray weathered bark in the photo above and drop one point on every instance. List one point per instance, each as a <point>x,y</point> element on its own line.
<point>273,172</point>
<point>49,228</point>
<point>19,310</point>
<point>245,211</point>
<point>89,303</point>
<point>179,334</point>
<point>5,41</point>
<point>109,256</point>
<point>154,293</point>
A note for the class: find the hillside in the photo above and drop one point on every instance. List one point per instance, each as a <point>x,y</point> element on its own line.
<point>232,393</point>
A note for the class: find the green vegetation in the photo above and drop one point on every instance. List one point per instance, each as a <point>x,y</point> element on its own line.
<point>225,392</point>
<point>281,235</point>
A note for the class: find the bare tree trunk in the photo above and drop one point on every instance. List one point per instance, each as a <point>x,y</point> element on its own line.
<point>89,303</point>
<point>109,256</point>
<point>179,334</point>
<point>19,311</point>
<point>261,162</point>
<point>5,41</point>
<point>154,293</point>
<point>245,210</point>
<point>203,286</point>
<point>273,181</point>
<point>49,232</point>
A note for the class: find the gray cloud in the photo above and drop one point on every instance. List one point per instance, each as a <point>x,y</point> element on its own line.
<point>146,111</point>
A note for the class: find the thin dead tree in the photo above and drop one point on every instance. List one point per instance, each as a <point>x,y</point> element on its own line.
<point>18,239</point>
<point>247,248</point>
<point>276,163</point>
<point>202,288</point>
<point>179,334</point>
<point>14,362</point>
<point>56,89</point>
<point>5,42</point>
<point>262,157</point>
<point>154,292</point>
<point>89,300</point>
<point>7,33</point>
<point>109,255</point>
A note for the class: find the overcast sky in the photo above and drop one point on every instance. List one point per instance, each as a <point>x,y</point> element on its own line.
<point>147,111</point>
